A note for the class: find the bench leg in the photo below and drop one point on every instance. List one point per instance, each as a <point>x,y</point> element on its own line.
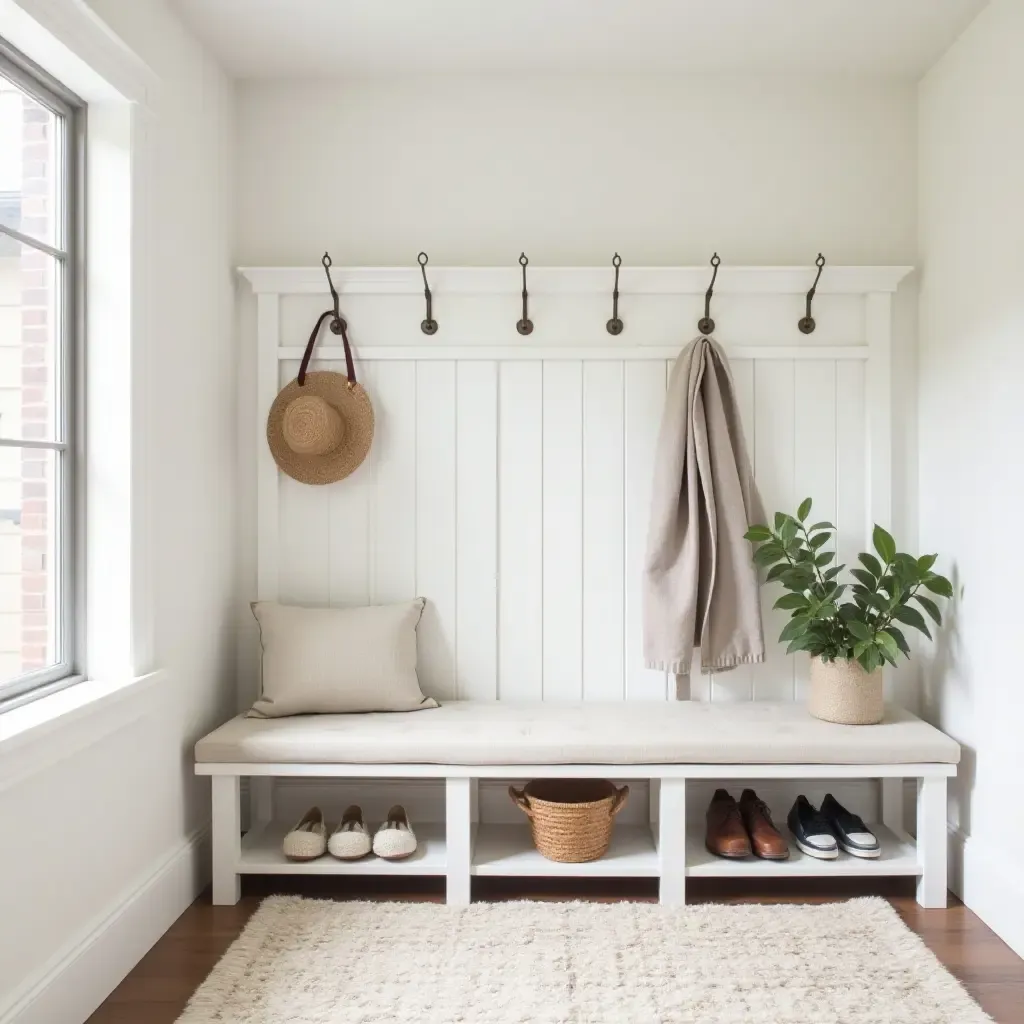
<point>672,842</point>
<point>227,839</point>
<point>931,841</point>
<point>458,839</point>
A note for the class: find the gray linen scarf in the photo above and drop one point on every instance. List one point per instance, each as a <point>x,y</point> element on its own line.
<point>700,583</point>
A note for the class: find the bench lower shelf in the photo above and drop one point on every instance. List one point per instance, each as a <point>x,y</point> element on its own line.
<point>261,855</point>
<point>898,857</point>
<point>508,851</point>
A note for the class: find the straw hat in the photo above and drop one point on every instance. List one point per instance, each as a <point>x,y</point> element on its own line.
<point>320,426</point>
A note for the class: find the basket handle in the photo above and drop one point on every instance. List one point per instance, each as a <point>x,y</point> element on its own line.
<point>619,802</point>
<point>521,800</point>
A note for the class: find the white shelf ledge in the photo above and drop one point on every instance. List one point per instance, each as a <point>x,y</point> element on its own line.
<point>899,857</point>
<point>261,855</point>
<point>508,850</point>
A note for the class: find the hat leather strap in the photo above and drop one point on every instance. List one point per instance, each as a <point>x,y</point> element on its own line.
<point>338,326</point>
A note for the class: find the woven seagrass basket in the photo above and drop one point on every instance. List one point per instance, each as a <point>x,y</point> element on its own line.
<point>571,819</point>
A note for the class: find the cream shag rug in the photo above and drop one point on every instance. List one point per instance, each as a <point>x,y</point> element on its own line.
<point>305,961</point>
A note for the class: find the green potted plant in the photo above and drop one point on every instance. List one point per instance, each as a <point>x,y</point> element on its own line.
<point>850,630</point>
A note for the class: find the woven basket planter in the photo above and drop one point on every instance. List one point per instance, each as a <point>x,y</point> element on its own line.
<point>841,691</point>
<point>571,819</point>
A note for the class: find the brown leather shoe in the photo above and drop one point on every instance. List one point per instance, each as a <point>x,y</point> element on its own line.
<point>726,836</point>
<point>765,839</point>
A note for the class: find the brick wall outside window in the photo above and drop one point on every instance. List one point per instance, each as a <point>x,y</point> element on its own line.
<point>37,387</point>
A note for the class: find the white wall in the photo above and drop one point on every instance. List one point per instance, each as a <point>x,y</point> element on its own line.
<point>107,803</point>
<point>664,170</point>
<point>971,425</point>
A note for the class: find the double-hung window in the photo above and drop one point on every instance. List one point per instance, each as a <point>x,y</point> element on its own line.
<point>39,239</point>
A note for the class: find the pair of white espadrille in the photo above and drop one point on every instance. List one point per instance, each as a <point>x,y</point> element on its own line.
<point>394,840</point>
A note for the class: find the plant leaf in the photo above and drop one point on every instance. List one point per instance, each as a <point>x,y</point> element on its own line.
<point>792,602</point>
<point>901,640</point>
<point>870,658</point>
<point>776,572</point>
<point>767,554</point>
<point>912,617</point>
<point>823,525</point>
<point>859,629</point>
<point>788,531</point>
<point>797,580</point>
<point>870,563</point>
<point>804,510</point>
<point>833,573</point>
<point>758,534</point>
<point>794,628</point>
<point>939,585</point>
<point>930,607</point>
<point>865,579</point>
<point>906,566</point>
<point>780,519</point>
<point>818,540</point>
<point>925,562</point>
<point>888,644</point>
<point>884,544</point>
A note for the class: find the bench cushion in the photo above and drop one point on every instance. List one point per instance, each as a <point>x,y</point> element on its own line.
<point>499,733</point>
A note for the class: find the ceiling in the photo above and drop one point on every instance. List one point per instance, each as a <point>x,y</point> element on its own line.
<point>338,38</point>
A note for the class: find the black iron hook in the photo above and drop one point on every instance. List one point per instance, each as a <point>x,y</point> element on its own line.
<point>428,326</point>
<point>524,326</point>
<point>806,322</point>
<point>338,324</point>
<point>705,324</point>
<point>615,324</point>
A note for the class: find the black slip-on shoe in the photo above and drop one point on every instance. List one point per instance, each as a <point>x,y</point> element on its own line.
<point>811,832</point>
<point>853,836</point>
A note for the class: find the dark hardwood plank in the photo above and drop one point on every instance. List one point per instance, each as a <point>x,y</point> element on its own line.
<point>156,991</point>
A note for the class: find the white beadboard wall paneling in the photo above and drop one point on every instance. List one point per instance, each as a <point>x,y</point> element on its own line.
<point>393,459</point>
<point>304,518</point>
<point>509,480</point>
<point>814,463</point>
<point>644,400</point>
<point>738,683</point>
<point>436,526</point>
<point>603,531</point>
<point>350,538</point>
<point>852,513</point>
<point>775,449</point>
<point>562,457</point>
<point>305,561</point>
<point>268,343</point>
<point>521,538</point>
<point>878,404</point>
<point>476,516</point>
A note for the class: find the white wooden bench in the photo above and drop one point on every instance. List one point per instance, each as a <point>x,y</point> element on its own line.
<point>668,744</point>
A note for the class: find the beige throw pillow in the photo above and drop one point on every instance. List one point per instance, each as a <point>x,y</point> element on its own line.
<point>334,660</point>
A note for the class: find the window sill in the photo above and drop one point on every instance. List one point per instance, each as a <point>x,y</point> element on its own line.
<point>72,712</point>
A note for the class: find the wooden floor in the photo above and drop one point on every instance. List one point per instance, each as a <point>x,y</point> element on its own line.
<point>157,989</point>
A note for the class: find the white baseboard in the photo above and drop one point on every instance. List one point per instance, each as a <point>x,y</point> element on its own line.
<point>989,885</point>
<point>70,987</point>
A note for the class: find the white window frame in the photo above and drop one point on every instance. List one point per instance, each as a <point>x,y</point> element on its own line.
<point>68,574</point>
